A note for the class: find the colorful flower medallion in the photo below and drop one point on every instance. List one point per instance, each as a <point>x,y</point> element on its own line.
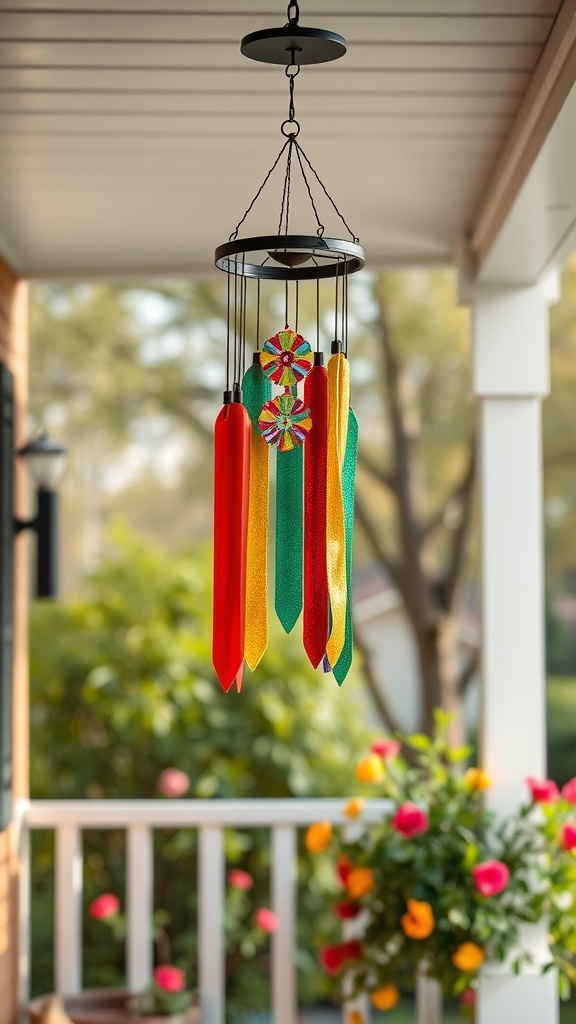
<point>284,422</point>
<point>286,358</point>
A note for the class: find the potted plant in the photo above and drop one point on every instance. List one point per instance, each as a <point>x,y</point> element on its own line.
<point>440,886</point>
<point>168,1000</point>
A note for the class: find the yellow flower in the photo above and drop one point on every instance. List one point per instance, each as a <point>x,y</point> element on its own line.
<point>360,881</point>
<point>318,837</point>
<point>478,779</point>
<point>370,769</point>
<point>354,807</point>
<point>468,957</point>
<point>354,1017</point>
<point>385,997</point>
<point>418,921</point>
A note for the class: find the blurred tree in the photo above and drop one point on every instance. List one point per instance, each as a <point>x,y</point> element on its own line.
<point>127,370</point>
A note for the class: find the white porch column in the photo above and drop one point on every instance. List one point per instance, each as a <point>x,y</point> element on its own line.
<point>510,377</point>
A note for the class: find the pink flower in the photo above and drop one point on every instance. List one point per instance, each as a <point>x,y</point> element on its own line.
<point>172,782</point>
<point>569,791</point>
<point>386,748</point>
<point>568,836</point>
<point>468,997</point>
<point>170,979</point>
<point>491,877</point>
<point>410,820</point>
<point>240,879</point>
<point>267,920</point>
<point>542,791</point>
<point>106,905</point>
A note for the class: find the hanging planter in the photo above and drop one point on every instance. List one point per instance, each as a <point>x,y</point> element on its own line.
<point>307,427</point>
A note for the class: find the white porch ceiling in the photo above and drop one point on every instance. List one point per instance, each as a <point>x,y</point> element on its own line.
<point>133,133</point>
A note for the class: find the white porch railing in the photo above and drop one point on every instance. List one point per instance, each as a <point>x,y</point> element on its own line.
<point>68,818</point>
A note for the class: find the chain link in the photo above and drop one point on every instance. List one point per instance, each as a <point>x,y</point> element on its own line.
<point>293,19</point>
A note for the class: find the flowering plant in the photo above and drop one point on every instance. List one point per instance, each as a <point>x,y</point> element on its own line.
<point>440,885</point>
<point>168,995</point>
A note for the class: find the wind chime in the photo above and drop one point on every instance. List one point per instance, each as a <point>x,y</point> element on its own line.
<point>289,403</point>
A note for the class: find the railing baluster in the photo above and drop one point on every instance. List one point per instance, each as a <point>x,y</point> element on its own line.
<point>284,896</point>
<point>68,909</point>
<point>429,1008</point>
<point>211,923</point>
<point>24,841</point>
<point>139,906</point>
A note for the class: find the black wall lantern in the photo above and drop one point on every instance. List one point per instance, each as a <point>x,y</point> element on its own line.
<point>45,460</point>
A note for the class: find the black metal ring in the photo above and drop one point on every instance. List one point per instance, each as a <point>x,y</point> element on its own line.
<point>294,134</point>
<point>345,257</point>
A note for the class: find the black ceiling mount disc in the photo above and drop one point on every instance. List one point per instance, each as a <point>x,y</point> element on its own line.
<point>293,45</point>
<point>261,256</point>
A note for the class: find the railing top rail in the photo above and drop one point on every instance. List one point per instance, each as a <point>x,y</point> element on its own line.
<point>159,813</point>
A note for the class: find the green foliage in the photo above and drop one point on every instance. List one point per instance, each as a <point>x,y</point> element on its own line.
<point>122,687</point>
<point>561,721</point>
<point>435,866</point>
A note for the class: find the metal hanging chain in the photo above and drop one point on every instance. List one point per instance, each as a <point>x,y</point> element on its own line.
<point>354,237</point>
<point>285,204</point>
<point>320,227</point>
<point>292,19</point>
<point>290,128</point>
<point>234,234</point>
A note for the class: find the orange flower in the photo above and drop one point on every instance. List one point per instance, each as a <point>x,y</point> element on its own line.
<point>418,921</point>
<point>370,769</point>
<point>468,957</point>
<point>354,1017</point>
<point>385,997</point>
<point>478,779</point>
<point>318,837</point>
<point>360,881</point>
<point>354,807</point>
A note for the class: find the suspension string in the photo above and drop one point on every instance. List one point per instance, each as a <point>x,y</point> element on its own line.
<point>343,297</point>
<point>297,297</point>
<point>258,315</point>
<point>235,361</point>
<point>317,314</point>
<point>336,302</point>
<point>286,302</point>
<point>245,289</point>
<point>346,322</point>
<point>228,330</point>
<point>241,297</point>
